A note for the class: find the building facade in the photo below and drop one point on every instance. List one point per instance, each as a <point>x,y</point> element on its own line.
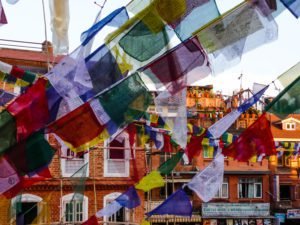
<point>80,184</point>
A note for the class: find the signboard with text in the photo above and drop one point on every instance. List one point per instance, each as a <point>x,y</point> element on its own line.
<point>235,209</point>
<point>293,214</point>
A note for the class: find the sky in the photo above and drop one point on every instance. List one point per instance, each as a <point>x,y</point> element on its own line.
<point>261,65</point>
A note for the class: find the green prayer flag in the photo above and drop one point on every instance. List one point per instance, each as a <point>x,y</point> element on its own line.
<point>169,165</point>
<point>287,102</point>
<point>290,75</point>
<point>126,101</point>
<point>7,131</point>
<point>31,155</point>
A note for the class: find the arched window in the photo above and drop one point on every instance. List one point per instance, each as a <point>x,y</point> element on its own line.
<point>25,208</point>
<point>122,215</point>
<point>74,208</point>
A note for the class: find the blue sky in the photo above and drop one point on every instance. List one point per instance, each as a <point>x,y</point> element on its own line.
<point>262,65</point>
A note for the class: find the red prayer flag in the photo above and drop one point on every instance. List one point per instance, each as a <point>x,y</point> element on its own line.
<point>3,19</point>
<point>30,110</point>
<point>194,147</point>
<point>91,221</point>
<point>255,140</point>
<point>167,143</point>
<point>78,128</point>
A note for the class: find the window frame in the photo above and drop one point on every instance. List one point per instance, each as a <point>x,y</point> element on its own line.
<point>109,198</point>
<point>219,194</point>
<point>126,159</point>
<point>255,184</point>
<point>63,163</point>
<point>66,199</point>
<point>290,126</point>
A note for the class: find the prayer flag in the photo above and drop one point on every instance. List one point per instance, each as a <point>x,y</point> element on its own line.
<point>224,40</point>
<point>129,199</point>
<point>30,110</point>
<point>208,181</point>
<point>194,147</point>
<point>79,129</point>
<point>91,221</point>
<point>114,19</point>
<point>186,62</point>
<point>5,97</point>
<point>218,128</point>
<point>151,181</point>
<point>255,140</point>
<point>109,209</point>
<point>3,19</point>
<point>287,101</point>
<point>126,101</point>
<point>8,175</point>
<point>197,14</point>
<point>167,167</point>
<point>293,6</point>
<point>176,204</point>
<point>167,143</point>
<point>7,131</point>
<point>290,75</point>
<point>31,154</point>
<point>59,14</point>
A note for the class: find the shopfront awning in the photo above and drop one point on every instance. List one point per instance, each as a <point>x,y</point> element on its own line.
<point>177,219</point>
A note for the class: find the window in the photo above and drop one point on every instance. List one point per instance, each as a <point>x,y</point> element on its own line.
<point>223,190</point>
<point>72,162</point>
<point>290,126</point>
<point>250,188</point>
<point>285,192</point>
<point>122,215</point>
<point>75,208</point>
<point>117,156</point>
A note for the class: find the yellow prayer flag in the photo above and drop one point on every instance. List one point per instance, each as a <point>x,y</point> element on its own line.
<point>145,222</point>
<point>152,180</point>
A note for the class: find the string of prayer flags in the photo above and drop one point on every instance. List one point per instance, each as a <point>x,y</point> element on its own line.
<point>186,63</point>
<point>17,72</point>
<point>8,79</point>
<point>287,101</point>
<point>3,19</point>
<point>218,128</point>
<point>224,40</point>
<point>257,139</point>
<point>167,167</point>
<point>176,204</point>
<point>80,76</point>
<point>151,181</point>
<point>59,14</point>
<point>30,110</point>
<point>197,14</point>
<point>208,181</point>
<point>293,6</point>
